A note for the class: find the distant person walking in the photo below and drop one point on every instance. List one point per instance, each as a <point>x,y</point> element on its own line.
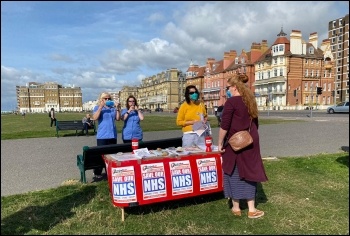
<point>24,114</point>
<point>52,116</point>
<point>219,113</point>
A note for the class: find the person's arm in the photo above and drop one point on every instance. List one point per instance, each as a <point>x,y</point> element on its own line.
<point>222,134</point>
<point>180,119</point>
<point>97,112</point>
<point>205,112</point>
<point>126,114</point>
<point>117,111</point>
<point>139,113</point>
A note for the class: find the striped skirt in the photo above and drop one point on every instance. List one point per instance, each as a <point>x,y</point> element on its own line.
<point>235,188</point>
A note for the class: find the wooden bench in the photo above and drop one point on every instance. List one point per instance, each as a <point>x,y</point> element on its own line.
<point>76,125</point>
<point>91,158</point>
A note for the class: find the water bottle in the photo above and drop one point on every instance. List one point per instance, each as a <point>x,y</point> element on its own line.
<point>134,144</point>
<point>208,143</point>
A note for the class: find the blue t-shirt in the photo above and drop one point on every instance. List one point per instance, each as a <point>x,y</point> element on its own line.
<point>107,128</point>
<point>131,128</point>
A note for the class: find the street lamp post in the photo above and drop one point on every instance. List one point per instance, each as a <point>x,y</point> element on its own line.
<point>335,69</point>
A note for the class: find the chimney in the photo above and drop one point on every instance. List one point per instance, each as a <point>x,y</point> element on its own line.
<point>313,38</point>
<point>295,42</point>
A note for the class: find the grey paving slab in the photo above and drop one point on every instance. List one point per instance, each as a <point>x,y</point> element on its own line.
<point>43,163</point>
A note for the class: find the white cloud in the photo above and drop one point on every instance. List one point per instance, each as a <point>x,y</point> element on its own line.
<point>108,45</point>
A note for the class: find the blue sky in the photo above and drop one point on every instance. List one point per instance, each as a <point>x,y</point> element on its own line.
<point>103,46</point>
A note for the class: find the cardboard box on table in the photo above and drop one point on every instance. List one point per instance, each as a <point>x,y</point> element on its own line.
<point>159,179</point>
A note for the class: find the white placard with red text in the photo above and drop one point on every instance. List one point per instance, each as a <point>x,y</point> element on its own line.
<point>181,177</point>
<point>153,181</point>
<point>123,184</point>
<point>207,171</point>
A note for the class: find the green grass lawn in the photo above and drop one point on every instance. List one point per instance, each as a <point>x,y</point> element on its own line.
<point>304,196</point>
<point>37,125</point>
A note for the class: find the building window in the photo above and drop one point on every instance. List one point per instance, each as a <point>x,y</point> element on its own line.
<point>311,50</point>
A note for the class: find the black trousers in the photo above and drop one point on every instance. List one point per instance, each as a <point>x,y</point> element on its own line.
<point>86,127</point>
<point>101,142</point>
<point>53,120</point>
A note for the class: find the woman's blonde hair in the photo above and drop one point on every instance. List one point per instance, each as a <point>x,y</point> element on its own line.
<point>240,80</point>
<point>103,95</point>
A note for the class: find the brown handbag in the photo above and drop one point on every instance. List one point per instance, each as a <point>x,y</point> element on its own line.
<point>241,139</point>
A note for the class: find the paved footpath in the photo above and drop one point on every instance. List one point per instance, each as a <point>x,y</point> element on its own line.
<point>43,163</point>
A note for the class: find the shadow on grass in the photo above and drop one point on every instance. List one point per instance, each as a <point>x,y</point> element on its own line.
<point>345,148</point>
<point>174,204</point>
<point>343,160</point>
<point>42,218</point>
<point>259,198</point>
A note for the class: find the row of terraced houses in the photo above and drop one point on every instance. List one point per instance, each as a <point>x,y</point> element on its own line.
<point>282,76</point>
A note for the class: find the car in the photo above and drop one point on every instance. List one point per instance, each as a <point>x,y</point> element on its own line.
<point>158,109</point>
<point>340,107</point>
<point>146,110</point>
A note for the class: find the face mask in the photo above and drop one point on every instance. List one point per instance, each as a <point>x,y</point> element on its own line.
<point>194,96</point>
<point>228,94</point>
<point>109,103</point>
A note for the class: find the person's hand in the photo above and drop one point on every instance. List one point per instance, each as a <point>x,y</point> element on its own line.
<point>220,148</point>
<point>102,103</point>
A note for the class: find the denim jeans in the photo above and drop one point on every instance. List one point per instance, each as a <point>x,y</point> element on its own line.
<point>188,140</point>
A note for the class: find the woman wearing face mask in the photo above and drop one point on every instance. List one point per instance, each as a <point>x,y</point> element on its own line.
<point>242,169</point>
<point>191,111</point>
<point>106,113</point>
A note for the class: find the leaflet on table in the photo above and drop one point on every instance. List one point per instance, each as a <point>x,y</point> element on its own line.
<point>143,152</point>
<point>199,127</point>
<point>195,149</point>
<point>177,153</point>
<point>124,156</point>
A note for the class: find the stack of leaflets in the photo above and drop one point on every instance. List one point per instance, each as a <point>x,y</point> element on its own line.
<point>199,127</point>
<point>142,152</point>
